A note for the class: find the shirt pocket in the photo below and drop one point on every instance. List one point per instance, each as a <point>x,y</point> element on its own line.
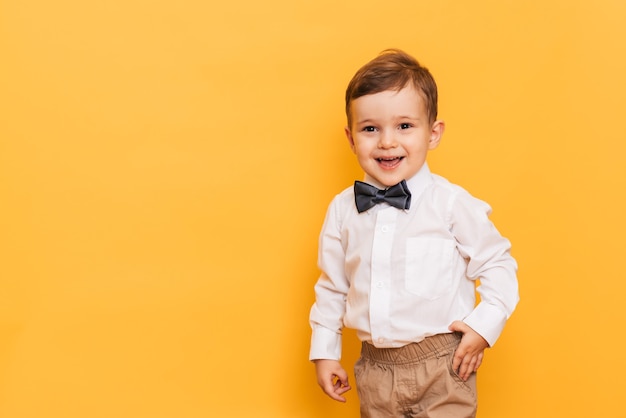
<point>429,267</point>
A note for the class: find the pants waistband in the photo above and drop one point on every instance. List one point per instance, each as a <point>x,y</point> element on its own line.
<point>435,346</point>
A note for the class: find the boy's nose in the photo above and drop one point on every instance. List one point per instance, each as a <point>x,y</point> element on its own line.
<point>387,140</point>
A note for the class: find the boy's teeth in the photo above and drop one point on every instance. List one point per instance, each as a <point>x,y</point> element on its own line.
<point>389,162</point>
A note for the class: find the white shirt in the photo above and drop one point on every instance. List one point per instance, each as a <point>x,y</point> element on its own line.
<point>397,276</point>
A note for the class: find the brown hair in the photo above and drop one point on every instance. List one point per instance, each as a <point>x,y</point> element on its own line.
<point>393,69</point>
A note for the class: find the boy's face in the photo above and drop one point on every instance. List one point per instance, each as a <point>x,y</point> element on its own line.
<point>391,134</point>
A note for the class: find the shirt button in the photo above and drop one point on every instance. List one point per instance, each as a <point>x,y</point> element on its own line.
<point>381,340</point>
<point>379,285</point>
<point>385,229</point>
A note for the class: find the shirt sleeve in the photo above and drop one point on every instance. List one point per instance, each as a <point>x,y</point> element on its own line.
<point>326,317</point>
<point>490,261</point>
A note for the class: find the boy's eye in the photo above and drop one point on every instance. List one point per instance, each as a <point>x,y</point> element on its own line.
<point>369,129</point>
<point>405,125</point>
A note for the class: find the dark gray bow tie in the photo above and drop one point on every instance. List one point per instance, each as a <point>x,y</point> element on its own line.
<point>366,196</point>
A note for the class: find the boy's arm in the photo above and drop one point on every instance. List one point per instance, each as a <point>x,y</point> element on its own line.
<point>489,260</point>
<point>331,289</point>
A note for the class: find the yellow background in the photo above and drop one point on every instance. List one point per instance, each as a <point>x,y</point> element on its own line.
<point>165,168</point>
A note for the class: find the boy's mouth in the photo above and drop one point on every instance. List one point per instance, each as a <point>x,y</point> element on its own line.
<point>389,162</point>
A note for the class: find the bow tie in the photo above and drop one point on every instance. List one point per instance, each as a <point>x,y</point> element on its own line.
<point>366,196</point>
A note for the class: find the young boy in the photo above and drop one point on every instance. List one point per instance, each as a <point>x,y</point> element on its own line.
<point>400,254</point>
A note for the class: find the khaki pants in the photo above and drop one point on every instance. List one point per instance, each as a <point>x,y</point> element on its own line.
<point>415,381</point>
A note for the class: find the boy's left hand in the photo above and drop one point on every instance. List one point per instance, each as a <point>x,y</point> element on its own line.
<point>469,354</point>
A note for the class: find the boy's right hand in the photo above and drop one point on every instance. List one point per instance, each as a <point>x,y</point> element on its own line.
<point>332,378</point>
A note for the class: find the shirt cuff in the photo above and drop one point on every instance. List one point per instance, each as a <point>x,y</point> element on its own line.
<point>488,321</point>
<point>325,344</point>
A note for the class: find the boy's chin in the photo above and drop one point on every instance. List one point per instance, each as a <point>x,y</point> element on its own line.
<point>391,178</point>
<point>388,181</point>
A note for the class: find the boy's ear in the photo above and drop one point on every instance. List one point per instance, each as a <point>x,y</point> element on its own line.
<point>350,139</point>
<point>436,132</point>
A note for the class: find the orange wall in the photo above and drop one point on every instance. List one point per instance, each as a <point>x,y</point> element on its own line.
<point>147,270</point>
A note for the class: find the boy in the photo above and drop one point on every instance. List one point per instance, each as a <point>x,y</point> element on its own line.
<point>399,255</point>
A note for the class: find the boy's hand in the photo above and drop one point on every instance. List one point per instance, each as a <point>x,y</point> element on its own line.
<point>469,354</point>
<point>332,378</point>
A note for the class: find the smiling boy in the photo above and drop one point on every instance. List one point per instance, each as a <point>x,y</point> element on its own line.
<point>400,254</point>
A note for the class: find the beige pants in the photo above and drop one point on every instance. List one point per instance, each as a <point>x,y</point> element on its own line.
<point>415,381</point>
